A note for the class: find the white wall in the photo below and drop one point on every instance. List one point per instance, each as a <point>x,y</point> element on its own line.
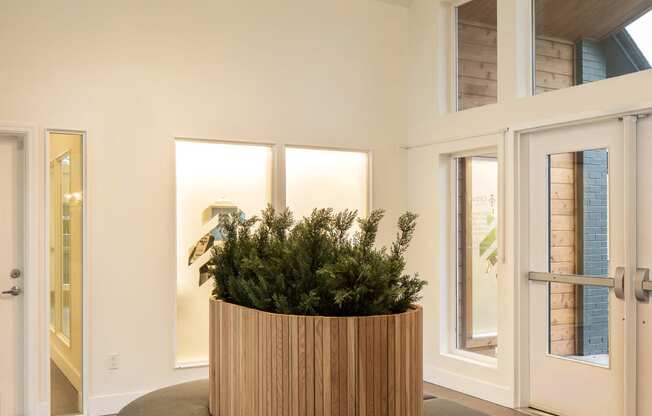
<point>135,74</point>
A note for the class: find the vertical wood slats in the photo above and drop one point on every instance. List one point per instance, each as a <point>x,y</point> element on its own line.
<point>277,365</point>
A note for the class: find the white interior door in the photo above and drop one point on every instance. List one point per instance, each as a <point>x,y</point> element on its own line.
<point>11,258</point>
<point>576,247</point>
<point>644,242</point>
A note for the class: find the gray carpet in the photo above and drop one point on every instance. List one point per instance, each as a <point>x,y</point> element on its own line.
<point>191,399</point>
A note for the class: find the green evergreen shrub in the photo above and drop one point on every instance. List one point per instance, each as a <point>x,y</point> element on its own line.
<point>314,267</point>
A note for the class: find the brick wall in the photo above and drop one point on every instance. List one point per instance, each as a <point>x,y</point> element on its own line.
<point>461,252</point>
<point>595,300</point>
<point>590,61</point>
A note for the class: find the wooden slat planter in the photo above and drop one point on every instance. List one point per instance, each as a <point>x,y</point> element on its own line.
<point>287,365</point>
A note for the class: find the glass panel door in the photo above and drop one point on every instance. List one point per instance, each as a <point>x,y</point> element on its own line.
<point>578,243</point>
<point>576,236</point>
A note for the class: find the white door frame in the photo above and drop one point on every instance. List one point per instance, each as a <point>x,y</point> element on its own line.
<point>85,268</point>
<point>515,147</point>
<point>32,267</point>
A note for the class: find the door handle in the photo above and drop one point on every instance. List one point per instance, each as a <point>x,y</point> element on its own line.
<point>642,285</point>
<point>14,291</point>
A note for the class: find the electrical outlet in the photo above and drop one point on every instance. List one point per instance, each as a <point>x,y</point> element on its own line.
<point>114,361</point>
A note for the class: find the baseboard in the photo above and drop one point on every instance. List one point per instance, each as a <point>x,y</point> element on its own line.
<point>110,404</point>
<point>481,389</point>
<point>42,408</point>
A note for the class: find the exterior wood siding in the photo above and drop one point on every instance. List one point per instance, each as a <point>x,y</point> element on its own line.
<point>563,253</point>
<point>477,72</point>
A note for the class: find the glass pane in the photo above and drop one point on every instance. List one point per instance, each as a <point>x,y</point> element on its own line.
<point>66,199</point>
<point>317,178</point>
<point>66,266</point>
<point>477,54</point>
<point>580,41</point>
<point>477,254</point>
<point>65,313</point>
<point>579,244</point>
<point>211,178</point>
<point>53,229</point>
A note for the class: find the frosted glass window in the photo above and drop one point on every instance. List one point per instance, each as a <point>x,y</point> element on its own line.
<point>317,178</point>
<point>211,178</point>
<point>477,254</point>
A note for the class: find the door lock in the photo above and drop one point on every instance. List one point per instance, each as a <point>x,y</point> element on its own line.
<point>15,274</point>
<point>14,291</point>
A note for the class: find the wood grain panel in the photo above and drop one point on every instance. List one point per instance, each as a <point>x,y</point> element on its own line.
<point>563,251</point>
<point>562,207</point>
<point>362,369</point>
<point>562,300</point>
<point>270,364</point>
<point>319,366</point>
<point>568,19</point>
<point>211,358</point>
<point>310,365</point>
<point>326,382</point>
<point>477,57</point>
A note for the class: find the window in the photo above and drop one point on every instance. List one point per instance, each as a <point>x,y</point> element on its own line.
<point>211,178</point>
<point>581,41</point>
<point>326,179</point>
<point>476,234</point>
<point>477,54</point>
<point>214,178</point>
<point>578,225</point>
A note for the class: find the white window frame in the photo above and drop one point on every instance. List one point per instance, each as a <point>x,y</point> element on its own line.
<point>453,335</point>
<point>485,377</point>
<point>86,209</point>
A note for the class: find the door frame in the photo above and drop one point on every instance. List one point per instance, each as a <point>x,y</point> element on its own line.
<point>33,264</point>
<point>45,299</point>
<point>516,149</point>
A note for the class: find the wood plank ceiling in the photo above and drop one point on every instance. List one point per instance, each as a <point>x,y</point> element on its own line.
<point>569,20</point>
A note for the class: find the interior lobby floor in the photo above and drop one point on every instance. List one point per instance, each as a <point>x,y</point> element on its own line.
<point>191,399</point>
<point>480,405</point>
<point>63,394</point>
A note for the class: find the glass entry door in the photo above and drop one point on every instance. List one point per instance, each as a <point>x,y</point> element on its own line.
<point>576,257</point>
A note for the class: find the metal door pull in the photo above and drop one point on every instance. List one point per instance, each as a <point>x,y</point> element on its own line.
<point>573,279</point>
